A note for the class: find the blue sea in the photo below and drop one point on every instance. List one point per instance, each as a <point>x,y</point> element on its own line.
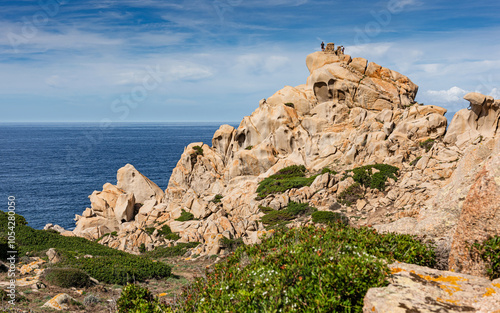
<point>51,169</point>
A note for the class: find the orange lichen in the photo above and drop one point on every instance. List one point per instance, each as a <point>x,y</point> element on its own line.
<point>496,285</point>
<point>396,270</point>
<point>489,292</point>
<point>452,280</point>
<point>447,300</point>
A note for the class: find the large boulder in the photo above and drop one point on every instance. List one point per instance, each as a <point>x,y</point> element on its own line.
<point>133,182</point>
<point>480,120</point>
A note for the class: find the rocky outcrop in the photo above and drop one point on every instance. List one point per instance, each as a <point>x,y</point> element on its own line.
<point>480,217</point>
<point>478,122</point>
<point>420,289</point>
<point>350,113</point>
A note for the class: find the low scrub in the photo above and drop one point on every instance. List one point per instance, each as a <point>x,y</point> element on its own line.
<point>137,299</point>
<point>366,176</point>
<point>306,269</point>
<point>165,252</point>
<point>489,251</point>
<point>327,217</point>
<point>351,194</point>
<point>230,244</point>
<point>107,265</point>
<point>185,216</point>
<point>286,178</point>
<point>67,278</point>
<point>427,145</point>
<point>282,217</point>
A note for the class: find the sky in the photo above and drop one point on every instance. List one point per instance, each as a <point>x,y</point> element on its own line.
<point>213,60</point>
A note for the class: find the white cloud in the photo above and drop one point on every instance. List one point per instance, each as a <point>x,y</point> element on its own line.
<point>452,95</point>
<point>189,72</point>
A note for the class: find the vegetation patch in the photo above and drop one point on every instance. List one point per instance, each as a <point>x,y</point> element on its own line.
<point>249,148</point>
<point>185,216</point>
<point>198,150</point>
<point>167,233</point>
<point>289,104</point>
<point>328,170</point>
<point>107,265</point>
<point>135,298</point>
<point>414,162</point>
<point>366,176</point>
<point>352,194</point>
<point>306,269</point>
<point>286,178</point>
<point>166,252</point>
<point>327,217</point>
<point>275,218</point>
<point>230,244</point>
<point>427,145</point>
<point>489,251</point>
<point>67,278</point>
<point>217,198</point>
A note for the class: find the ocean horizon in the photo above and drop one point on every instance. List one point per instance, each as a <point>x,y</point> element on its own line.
<point>51,168</point>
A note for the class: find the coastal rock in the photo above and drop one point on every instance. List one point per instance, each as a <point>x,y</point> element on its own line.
<point>416,288</point>
<point>479,219</point>
<point>133,182</point>
<point>59,302</point>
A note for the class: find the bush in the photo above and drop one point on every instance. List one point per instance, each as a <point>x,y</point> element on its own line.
<point>327,170</point>
<point>90,300</point>
<point>489,251</point>
<point>167,233</point>
<point>217,198</point>
<point>136,299</point>
<point>352,194</point>
<point>67,277</point>
<point>165,252</point>
<point>365,176</point>
<point>427,144</point>
<point>321,270</point>
<point>281,217</point>
<point>198,149</point>
<point>327,217</point>
<point>185,216</point>
<point>289,104</point>
<point>230,244</point>
<point>249,148</point>
<point>414,162</point>
<point>142,248</point>
<point>286,178</point>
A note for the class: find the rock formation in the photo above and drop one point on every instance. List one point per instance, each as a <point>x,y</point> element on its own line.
<point>350,113</point>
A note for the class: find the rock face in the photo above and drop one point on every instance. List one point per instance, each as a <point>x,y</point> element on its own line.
<point>480,217</point>
<point>350,113</point>
<point>415,288</point>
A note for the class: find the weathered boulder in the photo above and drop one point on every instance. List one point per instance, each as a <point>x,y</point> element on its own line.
<point>481,120</point>
<point>479,219</point>
<point>59,302</point>
<point>420,289</point>
<point>133,182</point>
<point>53,256</point>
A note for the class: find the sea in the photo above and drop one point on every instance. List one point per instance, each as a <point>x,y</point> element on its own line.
<point>52,168</point>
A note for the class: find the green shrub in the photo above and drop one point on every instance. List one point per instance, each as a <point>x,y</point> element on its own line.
<point>167,233</point>
<point>165,252</point>
<point>350,195</point>
<point>286,178</point>
<point>414,162</point>
<point>265,209</point>
<point>289,104</point>
<point>230,244</point>
<point>427,144</point>
<point>489,251</point>
<point>249,148</point>
<point>304,269</point>
<point>217,198</point>
<point>365,176</point>
<point>149,230</point>
<point>90,300</point>
<point>327,170</point>
<point>67,277</point>
<point>185,216</point>
<point>198,149</point>
<point>136,299</point>
<point>281,217</point>
<point>142,248</point>
<point>327,217</point>
<point>107,265</point>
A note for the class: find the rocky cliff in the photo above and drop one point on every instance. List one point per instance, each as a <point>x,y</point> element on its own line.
<point>350,113</point>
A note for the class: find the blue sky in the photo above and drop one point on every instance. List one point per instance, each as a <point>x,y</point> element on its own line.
<point>213,60</point>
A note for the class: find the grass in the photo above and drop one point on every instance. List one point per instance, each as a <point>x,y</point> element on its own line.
<point>285,179</point>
